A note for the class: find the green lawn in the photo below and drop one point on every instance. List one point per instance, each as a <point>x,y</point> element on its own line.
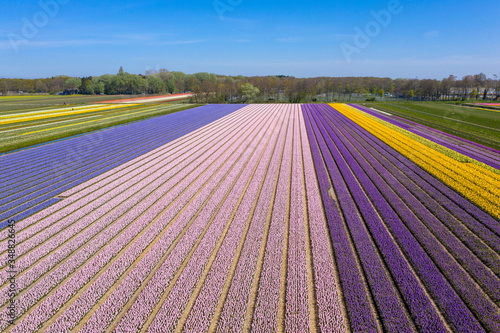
<point>481,126</point>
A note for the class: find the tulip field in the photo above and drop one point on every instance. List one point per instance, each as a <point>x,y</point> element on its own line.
<point>261,217</point>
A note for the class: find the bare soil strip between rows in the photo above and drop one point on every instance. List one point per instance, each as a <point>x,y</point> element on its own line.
<point>375,308</point>
<point>260,262</point>
<point>444,246</point>
<point>452,282</point>
<point>206,271</point>
<point>316,188</point>
<point>31,219</point>
<point>360,140</point>
<point>280,325</point>
<point>387,271</point>
<point>38,168</point>
<point>424,287</point>
<point>347,230</point>
<point>89,165</point>
<point>327,230</point>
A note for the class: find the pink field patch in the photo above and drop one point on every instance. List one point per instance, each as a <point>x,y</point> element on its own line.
<point>159,99</point>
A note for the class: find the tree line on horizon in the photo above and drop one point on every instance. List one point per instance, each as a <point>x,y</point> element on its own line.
<point>212,88</point>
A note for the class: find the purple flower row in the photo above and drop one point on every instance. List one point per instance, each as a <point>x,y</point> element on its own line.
<point>350,195</point>
<point>449,226</point>
<point>388,190</point>
<point>327,286</point>
<point>462,282</point>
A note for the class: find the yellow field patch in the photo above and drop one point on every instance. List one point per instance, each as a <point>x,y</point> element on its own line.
<point>51,114</point>
<point>488,109</point>
<point>474,182</point>
<point>84,122</point>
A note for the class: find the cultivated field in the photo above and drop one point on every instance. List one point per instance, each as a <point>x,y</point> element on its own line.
<point>26,102</point>
<point>23,128</point>
<point>9,103</point>
<point>285,217</point>
<point>34,178</point>
<point>153,99</point>
<point>476,124</point>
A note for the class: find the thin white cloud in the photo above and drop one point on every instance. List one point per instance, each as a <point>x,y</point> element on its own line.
<point>181,42</point>
<point>114,40</point>
<point>431,34</point>
<point>341,37</point>
<point>144,36</point>
<point>7,44</point>
<point>289,40</point>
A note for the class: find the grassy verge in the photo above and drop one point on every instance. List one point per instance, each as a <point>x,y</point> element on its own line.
<point>481,126</point>
<point>46,136</point>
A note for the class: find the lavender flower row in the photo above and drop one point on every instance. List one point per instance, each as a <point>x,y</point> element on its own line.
<point>120,190</point>
<point>236,302</point>
<point>171,151</point>
<point>79,155</point>
<point>56,217</point>
<point>113,133</point>
<point>327,287</point>
<point>297,318</point>
<point>275,193</point>
<point>138,313</point>
<point>117,190</point>
<point>385,295</point>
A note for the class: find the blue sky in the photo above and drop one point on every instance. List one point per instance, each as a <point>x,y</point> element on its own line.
<point>425,39</point>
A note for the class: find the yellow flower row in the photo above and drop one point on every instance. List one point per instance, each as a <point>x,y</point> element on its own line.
<point>487,180</point>
<point>472,181</point>
<point>88,121</point>
<point>64,112</point>
<point>480,167</point>
<point>26,113</point>
<point>432,148</point>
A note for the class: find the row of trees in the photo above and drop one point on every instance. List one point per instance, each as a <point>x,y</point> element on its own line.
<point>291,89</point>
<point>217,88</point>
